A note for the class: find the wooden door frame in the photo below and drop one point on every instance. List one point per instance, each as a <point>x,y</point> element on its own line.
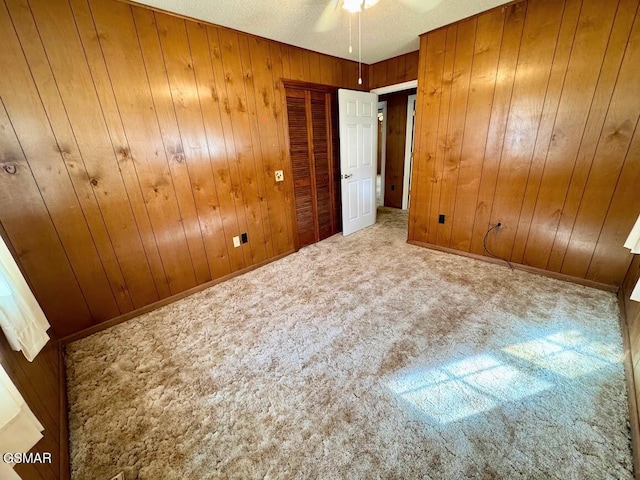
<point>383,150</point>
<point>288,167</point>
<point>411,119</point>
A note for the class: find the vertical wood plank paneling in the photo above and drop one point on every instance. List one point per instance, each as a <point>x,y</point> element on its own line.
<point>627,11</point>
<point>394,70</point>
<point>613,147</point>
<point>463,63</point>
<point>86,138</point>
<point>336,70</point>
<point>111,114</point>
<point>378,75</point>
<point>284,190</point>
<point>509,52</point>
<point>587,56</point>
<point>483,77</point>
<point>260,65</point>
<point>148,146</point>
<point>419,134</point>
<point>210,104</point>
<point>326,70</point>
<point>233,171</point>
<point>539,40</point>
<point>428,110</point>
<point>559,157</point>
<point>23,211</point>
<point>245,149</point>
<point>395,147</point>
<point>441,145</point>
<point>315,72</point>
<point>121,50</point>
<point>33,131</point>
<point>50,93</point>
<point>296,62</point>
<point>610,259</point>
<point>32,380</point>
<point>184,93</point>
<point>545,128</point>
<point>249,79</point>
<point>351,80</point>
<point>411,61</point>
<point>172,145</point>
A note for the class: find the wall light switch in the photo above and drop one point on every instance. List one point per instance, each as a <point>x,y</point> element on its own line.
<point>279,176</point>
<point>236,241</point>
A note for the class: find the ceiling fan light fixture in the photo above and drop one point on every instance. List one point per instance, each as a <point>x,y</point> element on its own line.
<point>370,3</point>
<point>352,6</point>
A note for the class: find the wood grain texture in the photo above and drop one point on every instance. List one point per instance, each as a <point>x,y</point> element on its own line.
<point>311,116</point>
<point>395,146</point>
<point>39,385</point>
<point>42,385</point>
<point>142,143</point>
<point>536,128</point>
<point>483,77</point>
<point>631,333</point>
<point>394,70</point>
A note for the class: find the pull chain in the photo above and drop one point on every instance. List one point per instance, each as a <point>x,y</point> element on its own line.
<point>350,47</point>
<point>359,48</point>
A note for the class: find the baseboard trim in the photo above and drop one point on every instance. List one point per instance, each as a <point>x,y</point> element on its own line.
<point>519,266</point>
<point>165,301</point>
<point>65,463</point>
<point>634,416</point>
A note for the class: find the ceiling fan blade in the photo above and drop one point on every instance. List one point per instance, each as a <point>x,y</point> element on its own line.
<point>421,6</point>
<point>329,18</point>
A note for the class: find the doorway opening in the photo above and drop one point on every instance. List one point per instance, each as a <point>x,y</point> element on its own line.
<point>396,129</point>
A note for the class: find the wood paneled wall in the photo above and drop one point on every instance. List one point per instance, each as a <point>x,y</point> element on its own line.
<point>631,317</point>
<point>395,146</point>
<point>134,145</point>
<point>394,70</point>
<point>527,115</point>
<point>40,386</point>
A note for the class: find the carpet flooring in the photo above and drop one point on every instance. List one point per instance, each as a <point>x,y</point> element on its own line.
<point>358,357</point>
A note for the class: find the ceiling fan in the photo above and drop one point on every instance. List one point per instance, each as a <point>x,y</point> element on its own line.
<point>330,16</point>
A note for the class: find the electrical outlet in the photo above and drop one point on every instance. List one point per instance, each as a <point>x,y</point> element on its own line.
<point>236,241</point>
<point>441,218</point>
<point>279,176</point>
<point>244,238</point>
<point>119,476</point>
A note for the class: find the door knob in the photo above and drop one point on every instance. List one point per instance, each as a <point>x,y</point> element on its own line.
<point>347,175</point>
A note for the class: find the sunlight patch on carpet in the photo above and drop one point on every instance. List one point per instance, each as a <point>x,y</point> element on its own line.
<point>460,389</point>
<point>568,353</point>
<point>480,383</point>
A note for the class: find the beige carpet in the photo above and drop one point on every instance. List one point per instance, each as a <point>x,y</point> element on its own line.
<point>358,357</point>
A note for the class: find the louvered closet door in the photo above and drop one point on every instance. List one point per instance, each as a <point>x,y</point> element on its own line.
<point>315,173</point>
<point>301,164</point>
<point>321,160</point>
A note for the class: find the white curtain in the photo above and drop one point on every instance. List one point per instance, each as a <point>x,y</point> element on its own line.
<point>633,243</point>
<point>21,318</point>
<point>20,430</point>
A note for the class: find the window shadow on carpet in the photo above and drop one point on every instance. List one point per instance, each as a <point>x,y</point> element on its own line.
<point>482,382</point>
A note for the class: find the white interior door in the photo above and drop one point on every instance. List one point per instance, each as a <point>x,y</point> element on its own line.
<point>358,115</point>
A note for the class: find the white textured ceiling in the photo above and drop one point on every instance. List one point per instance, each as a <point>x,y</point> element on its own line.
<point>389,28</point>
